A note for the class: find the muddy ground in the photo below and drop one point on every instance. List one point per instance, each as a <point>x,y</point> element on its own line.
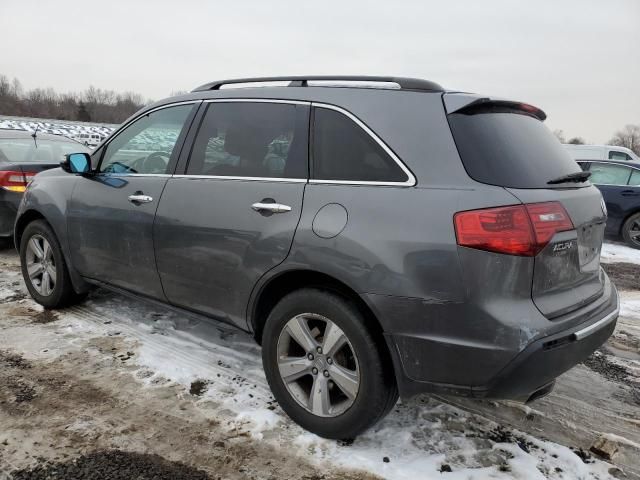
<point>75,406</point>
<point>84,403</point>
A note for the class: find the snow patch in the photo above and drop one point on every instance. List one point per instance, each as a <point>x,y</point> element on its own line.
<point>618,253</point>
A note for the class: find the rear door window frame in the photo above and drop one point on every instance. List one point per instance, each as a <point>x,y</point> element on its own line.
<point>411,179</point>
<point>185,157</point>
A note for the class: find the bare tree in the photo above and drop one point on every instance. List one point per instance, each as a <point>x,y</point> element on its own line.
<point>97,104</point>
<point>560,135</point>
<point>576,141</point>
<point>628,137</point>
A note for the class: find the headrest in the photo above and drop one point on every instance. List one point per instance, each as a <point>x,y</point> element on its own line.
<point>246,142</point>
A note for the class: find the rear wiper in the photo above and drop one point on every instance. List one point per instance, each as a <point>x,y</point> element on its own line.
<point>572,177</point>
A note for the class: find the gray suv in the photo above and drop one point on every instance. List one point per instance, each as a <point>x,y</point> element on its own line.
<point>378,235</point>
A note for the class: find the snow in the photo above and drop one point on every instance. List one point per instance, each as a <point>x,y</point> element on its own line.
<point>616,252</point>
<point>418,437</point>
<point>55,127</point>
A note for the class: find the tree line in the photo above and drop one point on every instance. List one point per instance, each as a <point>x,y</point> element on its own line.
<point>106,106</point>
<point>92,105</point>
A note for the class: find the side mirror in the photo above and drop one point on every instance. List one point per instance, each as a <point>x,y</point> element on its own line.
<point>76,163</point>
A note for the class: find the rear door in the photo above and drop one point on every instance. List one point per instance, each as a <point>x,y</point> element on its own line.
<point>111,213</point>
<point>232,215</point>
<point>620,190</point>
<point>506,144</point>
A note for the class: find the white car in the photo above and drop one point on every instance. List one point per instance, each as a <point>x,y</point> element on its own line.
<point>600,152</point>
<point>89,139</point>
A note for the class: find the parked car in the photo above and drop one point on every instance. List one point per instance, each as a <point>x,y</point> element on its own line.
<point>600,152</point>
<point>376,241</point>
<point>22,156</point>
<point>619,183</point>
<point>91,140</point>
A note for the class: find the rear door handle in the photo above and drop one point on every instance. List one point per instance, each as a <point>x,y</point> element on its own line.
<point>271,207</point>
<point>629,193</point>
<point>138,198</point>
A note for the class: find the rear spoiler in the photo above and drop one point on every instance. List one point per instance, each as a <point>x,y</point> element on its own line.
<point>461,102</point>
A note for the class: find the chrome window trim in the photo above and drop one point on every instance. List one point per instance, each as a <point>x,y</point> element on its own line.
<point>411,179</point>
<point>111,137</point>
<point>604,162</point>
<point>108,174</point>
<point>257,100</point>
<point>253,179</point>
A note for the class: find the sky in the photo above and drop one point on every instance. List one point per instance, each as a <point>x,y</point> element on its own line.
<point>578,60</point>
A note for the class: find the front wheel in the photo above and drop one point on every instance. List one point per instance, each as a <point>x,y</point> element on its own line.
<point>631,231</point>
<point>43,267</point>
<point>325,368</point>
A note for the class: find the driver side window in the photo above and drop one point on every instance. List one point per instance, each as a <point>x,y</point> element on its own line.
<point>147,145</point>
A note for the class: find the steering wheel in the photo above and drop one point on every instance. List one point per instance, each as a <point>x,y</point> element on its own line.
<point>156,163</point>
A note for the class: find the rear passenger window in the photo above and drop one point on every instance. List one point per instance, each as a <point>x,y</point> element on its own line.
<point>342,150</point>
<point>614,155</point>
<point>635,177</point>
<point>244,139</point>
<point>602,174</point>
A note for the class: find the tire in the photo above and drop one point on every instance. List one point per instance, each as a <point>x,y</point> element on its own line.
<point>60,292</point>
<point>629,229</point>
<point>361,355</point>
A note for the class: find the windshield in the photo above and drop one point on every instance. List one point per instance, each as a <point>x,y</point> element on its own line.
<point>21,150</point>
<point>511,149</point>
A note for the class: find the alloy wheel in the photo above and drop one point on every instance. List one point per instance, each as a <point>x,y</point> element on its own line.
<point>634,232</point>
<point>41,266</point>
<point>318,365</point>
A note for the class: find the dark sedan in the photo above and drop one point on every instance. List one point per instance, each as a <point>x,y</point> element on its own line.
<point>619,183</point>
<point>22,155</point>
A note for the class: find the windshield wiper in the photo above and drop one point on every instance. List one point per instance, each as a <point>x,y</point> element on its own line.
<point>572,177</point>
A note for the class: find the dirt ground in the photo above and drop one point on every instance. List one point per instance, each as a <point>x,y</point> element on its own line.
<point>76,406</point>
<point>83,415</point>
<point>83,403</point>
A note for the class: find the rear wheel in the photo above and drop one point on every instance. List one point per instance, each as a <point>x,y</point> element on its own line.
<point>44,269</point>
<point>631,231</point>
<point>324,366</point>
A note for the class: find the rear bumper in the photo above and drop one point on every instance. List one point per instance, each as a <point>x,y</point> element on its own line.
<point>425,362</point>
<point>9,202</point>
<point>538,365</point>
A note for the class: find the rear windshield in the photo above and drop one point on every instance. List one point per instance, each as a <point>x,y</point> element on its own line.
<point>510,149</point>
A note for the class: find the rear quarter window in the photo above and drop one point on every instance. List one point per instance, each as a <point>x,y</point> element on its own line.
<point>510,149</point>
<point>343,151</point>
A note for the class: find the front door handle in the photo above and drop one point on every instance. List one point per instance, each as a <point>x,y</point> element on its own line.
<point>629,193</point>
<point>139,198</point>
<point>271,207</point>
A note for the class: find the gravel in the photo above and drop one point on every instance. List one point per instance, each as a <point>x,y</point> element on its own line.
<point>112,465</point>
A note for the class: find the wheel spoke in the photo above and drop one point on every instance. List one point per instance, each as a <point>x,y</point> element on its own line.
<point>292,368</point>
<point>299,331</point>
<point>35,248</point>
<point>34,269</point>
<point>319,402</point>
<point>634,234</point>
<point>346,380</point>
<point>333,339</point>
<point>45,287</point>
<point>51,270</point>
<point>46,250</point>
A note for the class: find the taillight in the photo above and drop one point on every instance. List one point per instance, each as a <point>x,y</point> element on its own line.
<point>515,230</point>
<point>14,181</point>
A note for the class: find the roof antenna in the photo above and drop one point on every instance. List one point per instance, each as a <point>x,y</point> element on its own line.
<point>35,135</point>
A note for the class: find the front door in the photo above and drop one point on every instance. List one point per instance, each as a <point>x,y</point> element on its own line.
<point>233,215</point>
<point>111,213</point>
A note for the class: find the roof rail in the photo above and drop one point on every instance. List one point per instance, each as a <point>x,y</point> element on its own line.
<point>302,81</point>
